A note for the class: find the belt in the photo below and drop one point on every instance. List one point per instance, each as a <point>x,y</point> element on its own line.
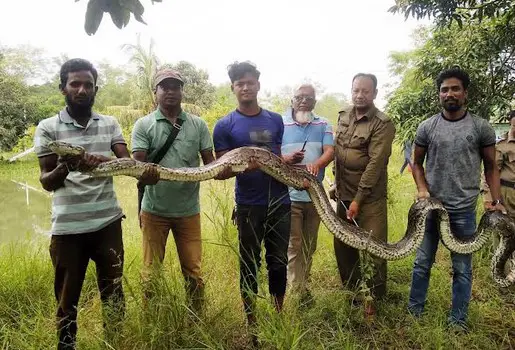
<point>507,183</point>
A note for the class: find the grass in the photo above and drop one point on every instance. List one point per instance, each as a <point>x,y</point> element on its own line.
<point>27,303</point>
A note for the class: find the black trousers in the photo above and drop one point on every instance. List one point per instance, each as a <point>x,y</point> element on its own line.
<point>70,257</point>
<point>255,225</point>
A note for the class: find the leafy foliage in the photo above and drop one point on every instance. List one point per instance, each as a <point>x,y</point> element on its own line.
<point>119,10</point>
<point>13,110</point>
<point>484,49</point>
<point>459,11</point>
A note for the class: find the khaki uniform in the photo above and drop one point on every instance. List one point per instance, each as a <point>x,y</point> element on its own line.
<point>362,151</point>
<point>505,160</point>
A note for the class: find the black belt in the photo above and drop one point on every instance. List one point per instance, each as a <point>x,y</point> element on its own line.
<point>507,183</point>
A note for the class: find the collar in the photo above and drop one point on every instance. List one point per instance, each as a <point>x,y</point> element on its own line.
<point>351,111</point>
<point>289,117</point>
<point>66,118</point>
<point>159,116</point>
<point>369,115</point>
<point>509,137</point>
<point>455,120</point>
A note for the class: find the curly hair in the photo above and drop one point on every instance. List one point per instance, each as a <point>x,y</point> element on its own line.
<point>454,72</point>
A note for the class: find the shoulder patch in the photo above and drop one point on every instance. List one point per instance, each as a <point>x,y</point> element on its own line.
<point>343,116</point>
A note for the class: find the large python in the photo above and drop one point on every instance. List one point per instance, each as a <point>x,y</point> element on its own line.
<point>238,160</point>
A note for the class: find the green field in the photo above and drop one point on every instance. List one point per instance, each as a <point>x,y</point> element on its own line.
<point>27,302</point>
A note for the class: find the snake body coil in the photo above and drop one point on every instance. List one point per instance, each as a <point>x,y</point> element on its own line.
<point>238,160</point>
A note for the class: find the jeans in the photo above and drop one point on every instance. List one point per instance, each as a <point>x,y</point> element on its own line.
<point>257,224</point>
<point>463,225</point>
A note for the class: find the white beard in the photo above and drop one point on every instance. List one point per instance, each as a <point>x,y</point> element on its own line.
<point>303,117</point>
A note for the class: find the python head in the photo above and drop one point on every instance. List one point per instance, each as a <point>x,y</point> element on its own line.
<point>65,149</point>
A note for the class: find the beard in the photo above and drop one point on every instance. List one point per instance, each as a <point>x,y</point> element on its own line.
<point>81,109</point>
<point>303,117</point>
<point>452,105</point>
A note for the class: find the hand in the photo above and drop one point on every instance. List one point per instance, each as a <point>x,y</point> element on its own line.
<point>90,161</point>
<point>422,194</point>
<point>313,168</point>
<point>226,173</point>
<point>332,192</point>
<point>150,175</point>
<point>253,164</point>
<point>294,158</point>
<point>499,207</point>
<point>71,162</point>
<point>353,210</point>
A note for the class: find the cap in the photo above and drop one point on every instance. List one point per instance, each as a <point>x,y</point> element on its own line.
<point>167,74</point>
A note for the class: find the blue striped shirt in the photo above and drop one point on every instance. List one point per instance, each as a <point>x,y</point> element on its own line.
<point>316,134</point>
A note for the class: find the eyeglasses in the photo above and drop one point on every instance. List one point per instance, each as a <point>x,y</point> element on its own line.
<point>299,98</point>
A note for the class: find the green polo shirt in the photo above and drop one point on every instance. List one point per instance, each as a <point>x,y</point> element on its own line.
<point>172,198</point>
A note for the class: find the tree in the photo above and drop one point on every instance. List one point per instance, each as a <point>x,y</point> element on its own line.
<point>27,63</point>
<point>119,10</point>
<point>13,110</point>
<point>116,86</point>
<point>225,102</point>
<point>481,50</point>
<point>460,11</point>
<point>146,63</point>
<point>198,90</point>
<point>329,104</point>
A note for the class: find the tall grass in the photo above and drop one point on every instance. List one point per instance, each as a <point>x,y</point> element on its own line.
<point>27,303</point>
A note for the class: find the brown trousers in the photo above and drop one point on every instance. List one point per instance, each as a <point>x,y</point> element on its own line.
<point>508,197</point>
<point>303,243</point>
<point>187,234</point>
<point>70,257</point>
<point>372,217</point>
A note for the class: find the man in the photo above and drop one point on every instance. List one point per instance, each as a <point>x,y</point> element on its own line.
<point>311,134</point>
<point>172,205</point>
<point>505,161</point>
<point>363,146</point>
<point>86,217</point>
<point>262,203</point>
<point>454,142</point>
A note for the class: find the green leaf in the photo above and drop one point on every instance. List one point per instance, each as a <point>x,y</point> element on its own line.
<point>94,15</point>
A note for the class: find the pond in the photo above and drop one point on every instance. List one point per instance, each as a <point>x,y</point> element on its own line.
<point>25,216</point>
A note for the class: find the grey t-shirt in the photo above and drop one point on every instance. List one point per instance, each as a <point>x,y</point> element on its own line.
<point>453,159</point>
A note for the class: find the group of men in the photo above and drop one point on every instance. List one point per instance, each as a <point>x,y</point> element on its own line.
<point>86,217</point>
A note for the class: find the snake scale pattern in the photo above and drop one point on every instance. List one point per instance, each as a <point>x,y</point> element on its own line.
<point>491,223</point>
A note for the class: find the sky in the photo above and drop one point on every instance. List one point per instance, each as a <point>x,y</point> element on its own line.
<point>290,41</point>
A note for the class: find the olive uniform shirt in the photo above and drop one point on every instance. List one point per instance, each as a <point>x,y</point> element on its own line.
<point>362,150</point>
<point>505,161</point>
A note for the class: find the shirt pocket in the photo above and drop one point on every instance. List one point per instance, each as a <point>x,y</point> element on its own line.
<point>360,138</point>
<point>188,150</point>
<point>340,135</point>
<point>510,155</point>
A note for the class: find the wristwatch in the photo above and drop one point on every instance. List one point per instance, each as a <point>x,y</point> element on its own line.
<point>495,202</point>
